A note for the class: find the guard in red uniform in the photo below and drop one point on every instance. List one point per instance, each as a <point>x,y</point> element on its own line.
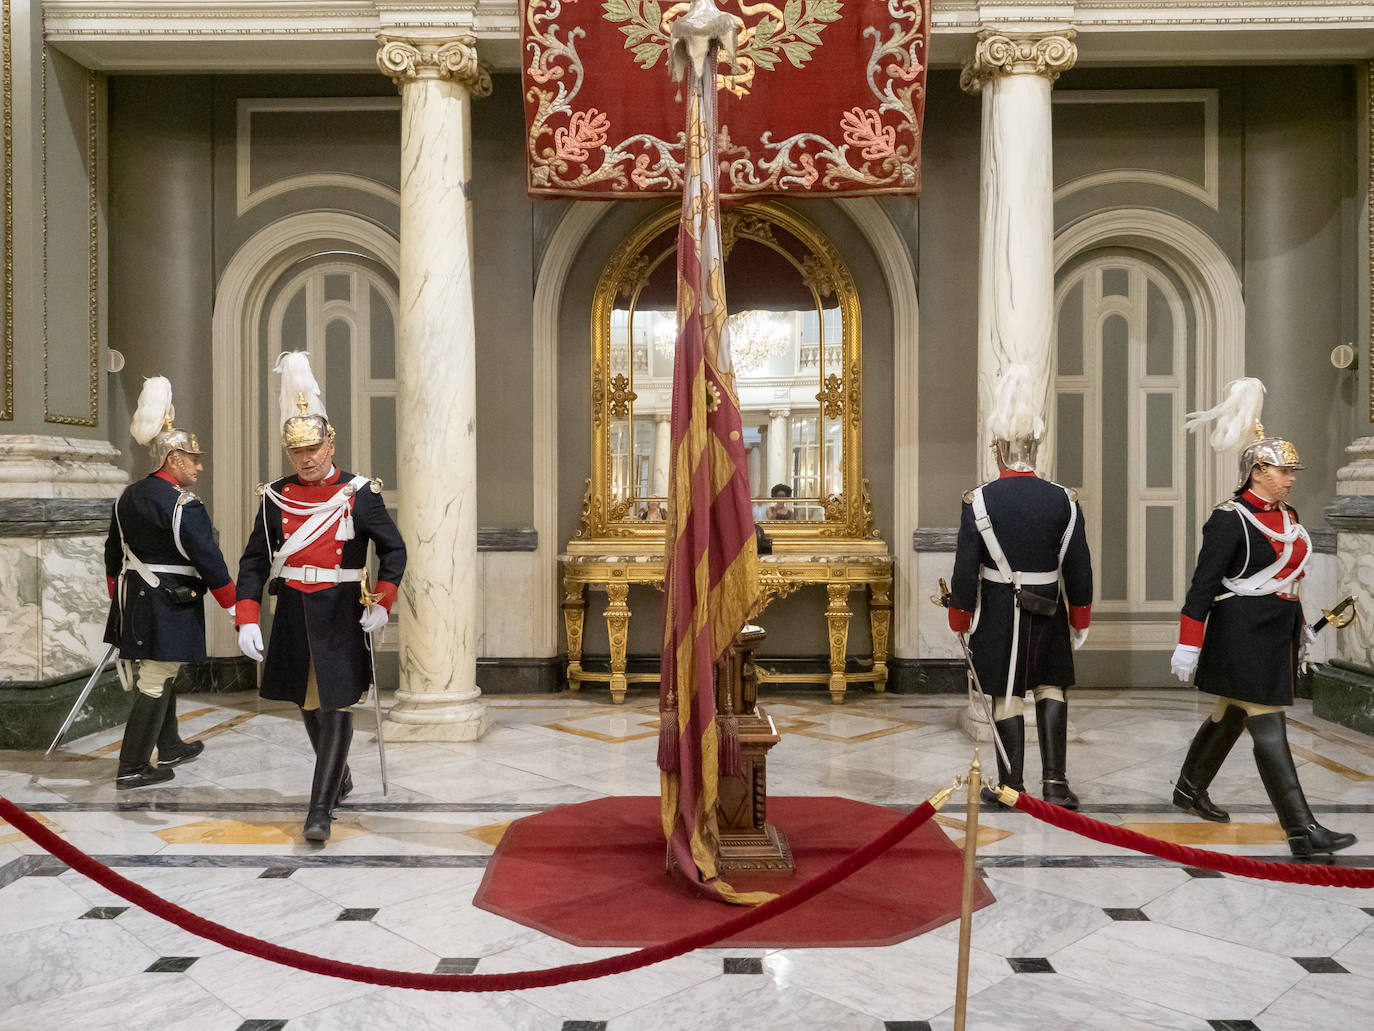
<point>1242,625</point>
<point>309,549</point>
<point>160,561</point>
<point>1022,552</point>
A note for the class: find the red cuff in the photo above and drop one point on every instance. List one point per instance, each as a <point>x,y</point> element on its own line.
<point>1190,631</point>
<point>1080,616</point>
<point>224,595</point>
<point>386,594</point>
<point>110,585</point>
<point>246,612</point>
<point>960,620</point>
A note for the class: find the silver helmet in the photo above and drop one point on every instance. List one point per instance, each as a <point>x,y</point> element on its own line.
<point>152,422</point>
<point>1267,451</point>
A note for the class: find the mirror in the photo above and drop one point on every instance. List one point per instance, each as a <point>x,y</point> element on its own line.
<point>794,336</point>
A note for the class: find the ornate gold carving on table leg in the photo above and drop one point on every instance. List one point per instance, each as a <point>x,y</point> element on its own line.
<point>879,620</point>
<point>838,616</point>
<point>618,627</point>
<point>574,612</point>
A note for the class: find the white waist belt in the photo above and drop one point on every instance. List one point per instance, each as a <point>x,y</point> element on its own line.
<point>321,575</point>
<point>1048,577</point>
<point>180,570</point>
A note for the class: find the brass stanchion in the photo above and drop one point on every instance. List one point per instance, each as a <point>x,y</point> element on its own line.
<point>975,783</point>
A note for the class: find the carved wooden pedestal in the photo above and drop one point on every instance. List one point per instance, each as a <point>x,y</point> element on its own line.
<point>747,840</point>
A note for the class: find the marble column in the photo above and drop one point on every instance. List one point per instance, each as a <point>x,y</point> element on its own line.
<point>1014,73</point>
<point>438,698</point>
<point>777,449</point>
<point>663,451</point>
<point>1351,513</point>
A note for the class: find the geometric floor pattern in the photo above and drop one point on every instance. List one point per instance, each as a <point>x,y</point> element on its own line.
<point>1082,935</point>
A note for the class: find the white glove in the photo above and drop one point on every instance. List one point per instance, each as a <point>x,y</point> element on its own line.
<point>1077,636</point>
<point>1309,636</point>
<point>250,641</point>
<point>1184,661</point>
<point>230,610</point>
<point>374,617</point>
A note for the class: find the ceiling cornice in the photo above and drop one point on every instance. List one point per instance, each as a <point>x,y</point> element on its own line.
<point>340,35</point>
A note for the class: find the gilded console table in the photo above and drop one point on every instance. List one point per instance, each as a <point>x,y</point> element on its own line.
<point>779,574</point>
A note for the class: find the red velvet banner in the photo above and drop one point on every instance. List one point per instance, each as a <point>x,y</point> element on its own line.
<point>827,98</point>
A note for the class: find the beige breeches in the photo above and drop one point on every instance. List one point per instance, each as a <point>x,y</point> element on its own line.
<point>153,675</point>
<point>1251,708</point>
<point>1006,709</point>
<point>312,692</point>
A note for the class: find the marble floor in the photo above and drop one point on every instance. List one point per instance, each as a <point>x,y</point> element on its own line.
<point>1082,935</point>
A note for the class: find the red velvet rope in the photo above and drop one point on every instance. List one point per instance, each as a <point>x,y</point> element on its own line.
<point>218,933</point>
<point>1294,873</point>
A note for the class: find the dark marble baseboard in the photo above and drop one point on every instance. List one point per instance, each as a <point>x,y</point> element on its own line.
<point>32,711</point>
<point>926,676</point>
<point>54,517</point>
<point>507,538</point>
<point>934,538</point>
<point>217,676</point>
<point>497,676</point>
<point>1351,512</point>
<point>1343,692</point>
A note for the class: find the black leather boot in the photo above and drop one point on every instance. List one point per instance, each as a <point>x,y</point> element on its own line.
<point>1052,726</point>
<point>1012,733</point>
<point>1211,745</point>
<point>171,750</point>
<point>310,717</point>
<point>1306,836</point>
<point>331,759</point>
<point>140,734</point>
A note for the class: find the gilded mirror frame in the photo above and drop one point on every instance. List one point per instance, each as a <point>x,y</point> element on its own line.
<point>848,513</point>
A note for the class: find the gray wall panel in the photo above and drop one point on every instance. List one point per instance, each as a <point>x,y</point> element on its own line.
<point>161,286</point>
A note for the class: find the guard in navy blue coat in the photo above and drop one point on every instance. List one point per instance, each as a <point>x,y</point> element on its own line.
<point>309,549</point>
<point>1242,625</point>
<point>1020,539</point>
<point>160,560</point>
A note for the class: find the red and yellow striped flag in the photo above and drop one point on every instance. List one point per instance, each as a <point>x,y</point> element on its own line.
<point>711,577</point>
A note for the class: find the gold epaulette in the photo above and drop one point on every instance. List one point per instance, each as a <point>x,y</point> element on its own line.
<point>1226,506</point>
<point>260,490</point>
<point>376,485</point>
<point>185,496</point>
<point>968,496</point>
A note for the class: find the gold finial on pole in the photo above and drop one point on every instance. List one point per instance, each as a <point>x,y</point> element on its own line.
<point>975,783</point>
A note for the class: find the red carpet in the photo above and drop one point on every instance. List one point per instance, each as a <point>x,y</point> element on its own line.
<point>592,874</point>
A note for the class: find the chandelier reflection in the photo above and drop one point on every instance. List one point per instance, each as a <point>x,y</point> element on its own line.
<point>755,337</point>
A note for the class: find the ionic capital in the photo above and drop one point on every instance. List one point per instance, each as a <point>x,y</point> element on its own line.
<point>409,60</point>
<point>1001,53</point>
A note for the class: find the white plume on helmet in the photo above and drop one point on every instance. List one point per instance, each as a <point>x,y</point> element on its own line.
<point>1014,420</point>
<point>155,411</point>
<point>304,422</point>
<point>1237,427</point>
<point>1235,417</point>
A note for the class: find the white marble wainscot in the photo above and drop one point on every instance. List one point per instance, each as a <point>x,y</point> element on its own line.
<point>21,573</point>
<point>1353,517</point>
<point>1320,589</point>
<point>52,612</point>
<point>508,609</point>
<point>35,466</point>
<point>438,698</point>
<point>75,604</point>
<point>934,639</point>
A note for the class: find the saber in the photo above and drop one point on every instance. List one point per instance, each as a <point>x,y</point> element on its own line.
<point>942,600</point>
<point>1338,616</point>
<point>81,699</point>
<point>369,598</point>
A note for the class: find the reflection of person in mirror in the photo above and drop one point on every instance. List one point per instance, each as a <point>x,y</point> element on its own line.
<point>780,509</point>
<point>652,512</point>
